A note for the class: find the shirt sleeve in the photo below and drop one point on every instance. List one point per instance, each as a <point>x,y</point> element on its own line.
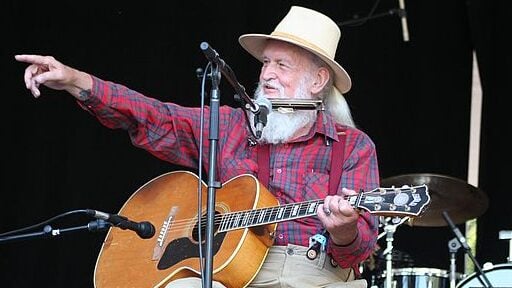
<point>360,172</point>
<point>166,130</point>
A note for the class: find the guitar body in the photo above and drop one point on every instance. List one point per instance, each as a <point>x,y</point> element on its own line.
<point>170,202</point>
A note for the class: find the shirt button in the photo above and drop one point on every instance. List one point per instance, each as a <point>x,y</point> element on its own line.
<point>280,236</point>
<point>279,171</point>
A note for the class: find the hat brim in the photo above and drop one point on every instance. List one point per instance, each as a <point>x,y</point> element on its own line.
<point>255,43</point>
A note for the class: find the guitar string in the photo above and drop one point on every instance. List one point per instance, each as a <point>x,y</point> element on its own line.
<point>184,224</point>
<point>232,222</point>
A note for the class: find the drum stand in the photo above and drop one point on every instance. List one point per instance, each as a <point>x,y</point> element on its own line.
<point>389,230</point>
<point>453,246</point>
<point>507,235</point>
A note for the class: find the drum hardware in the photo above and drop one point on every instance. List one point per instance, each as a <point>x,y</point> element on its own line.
<point>507,235</point>
<point>421,277</point>
<point>464,202</point>
<point>389,231</point>
<point>453,247</point>
<point>462,241</point>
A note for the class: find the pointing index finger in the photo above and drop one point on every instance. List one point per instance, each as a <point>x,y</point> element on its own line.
<point>33,59</point>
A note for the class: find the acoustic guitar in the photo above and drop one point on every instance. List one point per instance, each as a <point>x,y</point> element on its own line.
<point>246,217</point>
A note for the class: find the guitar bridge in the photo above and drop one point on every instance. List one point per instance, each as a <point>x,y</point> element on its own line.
<point>162,235</point>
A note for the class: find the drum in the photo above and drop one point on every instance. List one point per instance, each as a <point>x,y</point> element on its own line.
<point>499,275</point>
<point>420,278</point>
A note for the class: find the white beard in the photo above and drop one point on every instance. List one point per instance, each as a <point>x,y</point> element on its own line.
<point>283,127</point>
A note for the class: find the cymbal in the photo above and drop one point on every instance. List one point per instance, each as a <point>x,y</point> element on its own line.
<point>461,200</point>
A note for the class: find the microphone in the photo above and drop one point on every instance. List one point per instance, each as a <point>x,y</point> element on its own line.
<point>212,55</point>
<point>403,18</point>
<point>264,106</point>
<point>456,231</point>
<point>144,229</point>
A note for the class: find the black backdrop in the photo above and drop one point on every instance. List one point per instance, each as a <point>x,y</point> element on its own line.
<point>413,98</point>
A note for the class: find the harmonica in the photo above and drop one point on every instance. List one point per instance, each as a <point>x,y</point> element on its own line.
<point>295,104</point>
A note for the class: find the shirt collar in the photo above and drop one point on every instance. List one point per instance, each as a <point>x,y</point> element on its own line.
<point>324,125</point>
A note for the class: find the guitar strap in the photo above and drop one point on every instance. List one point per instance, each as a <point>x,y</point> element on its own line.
<point>337,157</point>
<point>264,164</point>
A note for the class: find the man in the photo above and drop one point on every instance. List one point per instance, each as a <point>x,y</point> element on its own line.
<point>300,156</point>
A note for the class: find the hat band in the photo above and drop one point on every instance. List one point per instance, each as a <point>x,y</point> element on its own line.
<point>301,40</point>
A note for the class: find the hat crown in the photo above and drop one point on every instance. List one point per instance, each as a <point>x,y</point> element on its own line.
<point>309,30</point>
<point>303,25</point>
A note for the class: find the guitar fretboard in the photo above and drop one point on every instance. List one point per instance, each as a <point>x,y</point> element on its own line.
<point>405,201</point>
<point>250,218</point>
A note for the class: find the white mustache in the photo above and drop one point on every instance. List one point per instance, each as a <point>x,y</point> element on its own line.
<point>273,85</point>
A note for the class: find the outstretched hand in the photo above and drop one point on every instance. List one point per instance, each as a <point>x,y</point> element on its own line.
<point>51,73</point>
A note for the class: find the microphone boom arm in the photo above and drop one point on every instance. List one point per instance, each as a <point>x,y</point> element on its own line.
<point>214,57</point>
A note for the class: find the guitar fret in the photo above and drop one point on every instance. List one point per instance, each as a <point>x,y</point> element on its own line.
<point>295,210</point>
<point>273,214</point>
<point>261,216</point>
<point>267,215</point>
<point>312,207</point>
<point>227,221</point>
<point>237,221</point>
<point>222,222</point>
<point>231,220</point>
<point>287,211</point>
<point>254,218</point>
<point>280,212</point>
<point>245,218</point>
<point>271,217</point>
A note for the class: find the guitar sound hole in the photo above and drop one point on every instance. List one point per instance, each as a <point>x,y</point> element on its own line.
<point>195,231</point>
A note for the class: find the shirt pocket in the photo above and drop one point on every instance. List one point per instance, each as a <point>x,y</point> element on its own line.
<point>315,186</point>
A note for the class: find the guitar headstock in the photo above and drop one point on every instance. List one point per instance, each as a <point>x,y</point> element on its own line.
<point>404,201</point>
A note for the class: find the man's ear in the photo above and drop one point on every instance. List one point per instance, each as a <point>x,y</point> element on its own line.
<point>321,78</point>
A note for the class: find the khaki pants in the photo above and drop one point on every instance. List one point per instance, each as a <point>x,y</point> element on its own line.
<point>288,267</point>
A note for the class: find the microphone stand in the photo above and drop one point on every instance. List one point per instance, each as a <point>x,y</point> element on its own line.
<point>467,250</point>
<point>48,231</point>
<point>219,67</point>
<point>213,184</point>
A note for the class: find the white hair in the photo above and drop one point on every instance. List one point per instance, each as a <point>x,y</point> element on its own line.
<point>336,105</point>
<point>334,102</point>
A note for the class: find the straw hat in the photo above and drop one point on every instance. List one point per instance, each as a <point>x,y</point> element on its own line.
<point>310,30</point>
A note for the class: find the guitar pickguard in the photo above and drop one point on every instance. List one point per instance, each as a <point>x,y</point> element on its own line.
<point>182,248</point>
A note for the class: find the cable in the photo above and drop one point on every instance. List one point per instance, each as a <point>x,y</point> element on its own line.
<point>81,211</point>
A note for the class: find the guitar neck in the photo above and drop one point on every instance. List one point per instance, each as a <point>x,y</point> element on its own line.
<point>269,215</point>
<point>405,201</point>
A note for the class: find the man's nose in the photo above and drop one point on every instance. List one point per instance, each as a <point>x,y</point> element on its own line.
<point>268,73</point>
